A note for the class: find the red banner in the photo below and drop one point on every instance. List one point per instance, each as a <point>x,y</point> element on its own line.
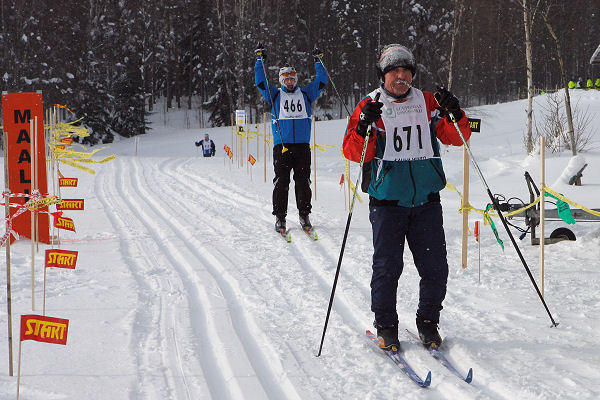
<point>251,159</point>
<point>63,222</point>
<point>67,182</point>
<point>70,204</point>
<point>18,110</point>
<point>44,329</point>
<point>67,141</point>
<point>61,258</point>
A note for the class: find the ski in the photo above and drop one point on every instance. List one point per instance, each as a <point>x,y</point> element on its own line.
<point>311,233</point>
<point>437,354</point>
<point>398,359</point>
<point>286,235</point>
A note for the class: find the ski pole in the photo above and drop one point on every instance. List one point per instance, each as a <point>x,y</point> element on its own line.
<point>273,113</point>
<point>334,87</point>
<point>339,265</point>
<point>497,207</point>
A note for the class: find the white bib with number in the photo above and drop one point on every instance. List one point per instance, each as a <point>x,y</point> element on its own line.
<point>407,135</point>
<point>291,105</point>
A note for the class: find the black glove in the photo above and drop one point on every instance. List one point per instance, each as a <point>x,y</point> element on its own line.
<point>448,103</point>
<point>260,51</point>
<point>371,112</point>
<point>317,54</point>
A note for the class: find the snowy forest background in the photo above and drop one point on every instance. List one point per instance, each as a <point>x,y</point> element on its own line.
<point>111,60</point>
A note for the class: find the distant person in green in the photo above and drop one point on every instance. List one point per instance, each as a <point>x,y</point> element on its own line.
<point>597,84</point>
<point>572,85</point>
<point>589,84</point>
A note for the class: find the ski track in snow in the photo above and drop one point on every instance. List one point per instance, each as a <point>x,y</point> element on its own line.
<point>307,262</point>
<point>194,296</point>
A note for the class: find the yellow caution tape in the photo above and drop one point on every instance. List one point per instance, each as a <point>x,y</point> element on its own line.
<point>470,208</point>
<point>350,184</point>
<point>566,200</point>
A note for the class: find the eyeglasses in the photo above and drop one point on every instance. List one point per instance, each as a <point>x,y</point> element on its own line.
<point>288,74</point>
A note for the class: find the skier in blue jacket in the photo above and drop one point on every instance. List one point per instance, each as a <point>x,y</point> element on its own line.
<point>291,113</point>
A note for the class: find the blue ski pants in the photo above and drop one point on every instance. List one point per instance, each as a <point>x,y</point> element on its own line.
<point>422,227</point>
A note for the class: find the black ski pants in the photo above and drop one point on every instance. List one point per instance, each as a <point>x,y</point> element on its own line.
<point>296,158</point>
<point>422,227</point>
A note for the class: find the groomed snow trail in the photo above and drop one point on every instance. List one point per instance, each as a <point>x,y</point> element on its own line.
<point>229,310</point>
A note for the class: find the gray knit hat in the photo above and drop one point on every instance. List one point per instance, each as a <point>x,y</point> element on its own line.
<point>394,56</point>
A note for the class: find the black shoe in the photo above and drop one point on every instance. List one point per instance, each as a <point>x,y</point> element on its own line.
<point>305,222</point>
<point>388,338</point>
<point>428,332</point>
<point>280,224</point>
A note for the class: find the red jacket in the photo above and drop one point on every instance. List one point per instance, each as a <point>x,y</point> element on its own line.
<point>400,173</point>
<point>444,130</point>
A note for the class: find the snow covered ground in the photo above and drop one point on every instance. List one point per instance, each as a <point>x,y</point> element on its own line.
<point>183,291</point>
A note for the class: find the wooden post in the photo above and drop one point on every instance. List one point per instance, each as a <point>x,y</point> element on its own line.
<point>542,209</point>
<point>19,371</point>
<point>36,185</point>
<point>315,154</point>
<point>32,129</point>
<point>247,148</point>
<point>265,145</point>
<point>8,287</point>
<point>348,171</point>
<point>233,144</point>
<point>55,232</point>
<point>477,237</point>
<point>465,204</point>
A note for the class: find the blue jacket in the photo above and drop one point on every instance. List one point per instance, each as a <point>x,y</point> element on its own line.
<point>292,130</point>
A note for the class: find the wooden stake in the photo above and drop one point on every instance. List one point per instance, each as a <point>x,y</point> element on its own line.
<point>36,185</point>
<point>265,145</point>
<point>44,295</point>
<point>19,371</point>
<point>247,148</point>
<point>465,204</point>
<point>8,287</point>
<point>348,170</point>
<point>315,154</point>
<point>477,233</point>
<point>31,188</point>
<point>542,209</point>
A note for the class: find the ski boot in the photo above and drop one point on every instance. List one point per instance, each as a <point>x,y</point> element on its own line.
<point>388,338</point>
<point>280,224</point>
<point>305,222</point>
<point>428,332</point>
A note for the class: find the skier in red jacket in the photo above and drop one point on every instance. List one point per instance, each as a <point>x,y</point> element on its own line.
<point>404,175</point>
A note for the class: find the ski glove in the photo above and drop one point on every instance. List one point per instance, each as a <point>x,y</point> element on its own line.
<point>448,103</point>
<point>317,54</point>
<point>370,113</point>
<point>260,52</point>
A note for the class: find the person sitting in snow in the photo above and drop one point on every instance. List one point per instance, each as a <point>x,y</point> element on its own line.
<point>404,181</point>
<point>291,112</point>
<point>208,146</point>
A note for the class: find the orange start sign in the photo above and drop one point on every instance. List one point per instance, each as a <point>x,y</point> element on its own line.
<point>44,329</point>
<point>59,258</point>
<point>71,204</point>
<point>67,182</point>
